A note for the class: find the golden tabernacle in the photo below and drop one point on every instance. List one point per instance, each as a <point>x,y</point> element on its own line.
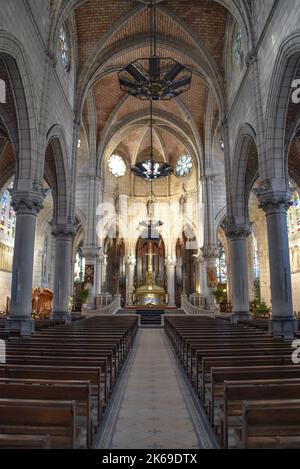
<point>150,294</point>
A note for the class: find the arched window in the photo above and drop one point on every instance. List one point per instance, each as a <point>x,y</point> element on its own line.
<point>256,269</point>
<point>221,266</point>
<point>79,266</point>
<point>117,166</point>
<point>7,216</point>
<point>293,216</point>
<point>2,92</point>
<point>237,49</point>
<point>64,52</point>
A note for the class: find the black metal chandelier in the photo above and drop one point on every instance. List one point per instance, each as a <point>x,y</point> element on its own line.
<point>155,78</point>
<point>151,169</point>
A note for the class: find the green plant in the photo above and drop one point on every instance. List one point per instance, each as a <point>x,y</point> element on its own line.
<point>257,290</point>
<point>84,295</point>
<point>263,308</point>
<point>219,295</point>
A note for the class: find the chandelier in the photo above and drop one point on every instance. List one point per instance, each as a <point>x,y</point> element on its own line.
<point>155,78</point>
<point>150,169</point>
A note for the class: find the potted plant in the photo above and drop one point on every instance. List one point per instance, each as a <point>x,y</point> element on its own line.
<point>220,297</point>
<point>263,311</point>
<point>84,297</point>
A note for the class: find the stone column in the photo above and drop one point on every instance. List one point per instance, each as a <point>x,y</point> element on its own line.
<point>26,205</point>
<point>101,263</point>
<point>170,267</point>
<point>131,263</point>
<point>209,260</point>
<point>91,254</point>
<point>275,205</point>
<point>63,235</point>
<point>238,235</point>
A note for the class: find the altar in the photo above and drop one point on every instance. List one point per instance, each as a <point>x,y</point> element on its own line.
<point>150,294</point>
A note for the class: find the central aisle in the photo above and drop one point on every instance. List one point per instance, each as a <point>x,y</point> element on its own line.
<point>153,405</point>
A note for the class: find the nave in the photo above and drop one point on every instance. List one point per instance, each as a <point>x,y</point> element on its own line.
<point>105,383</point>
<point>154,405</point>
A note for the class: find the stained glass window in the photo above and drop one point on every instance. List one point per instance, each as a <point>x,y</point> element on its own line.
<point>256,269</point>
<point>221,266</point>
<point>117,166</point>
<point>237,49</point>
<point>79,266</point>
<point>7,216</point>
<point>184,166</point>
<point>293,216</point>
<point>64,48</point>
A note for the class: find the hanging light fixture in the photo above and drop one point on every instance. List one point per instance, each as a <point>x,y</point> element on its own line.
<point>151,169</point>
<point>155,78</point>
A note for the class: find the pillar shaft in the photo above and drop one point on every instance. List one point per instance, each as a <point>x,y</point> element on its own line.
<point>91,254</point>
<point>62,278</point>
<point>275,206</point>
<point>209,260</point>
<point>170,265</point>
<point>27,206</point>
<point>238,235</point>
<point>131,264</point>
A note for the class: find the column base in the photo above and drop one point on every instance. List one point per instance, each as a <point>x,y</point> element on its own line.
<point>19,326</point>
<point>62,316</point>
<point>284,327</point>
<point>240,316</point>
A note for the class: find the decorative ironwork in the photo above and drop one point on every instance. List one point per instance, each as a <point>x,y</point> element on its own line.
<point>155,78</point>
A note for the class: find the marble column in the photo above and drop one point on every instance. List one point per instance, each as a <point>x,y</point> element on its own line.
<point>63,235</point>
<point>91,254</point>
<point>209,261</point>
<point>170,267</point>
<point>275,205</point>
<point>238,235</point>
<point>131,264</point>
<point>27,205</point>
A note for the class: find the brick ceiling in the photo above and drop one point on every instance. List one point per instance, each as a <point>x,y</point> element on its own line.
<point>197,25</point>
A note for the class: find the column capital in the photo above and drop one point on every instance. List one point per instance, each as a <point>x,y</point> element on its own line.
<point>91,252</point>
<point>131,261</point>
<point>209,252</point>
<point>64,231</point>
<point>170,262</point>
<point>28,202</point>
<point>237,231</point>
<point>274,200</point>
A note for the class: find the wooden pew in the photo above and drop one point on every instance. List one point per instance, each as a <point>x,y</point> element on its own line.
<point>235,392</point>
<point>220,375</point>
<point>56,373</point>
<point>24,441</point>
<point>29,417</point>
<point>271,424</point>
<point>77,391</point>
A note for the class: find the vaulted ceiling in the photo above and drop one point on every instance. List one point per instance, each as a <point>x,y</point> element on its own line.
<point>110,35</point>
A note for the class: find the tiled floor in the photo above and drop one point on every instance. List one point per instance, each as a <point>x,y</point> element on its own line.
<point>153,406</point>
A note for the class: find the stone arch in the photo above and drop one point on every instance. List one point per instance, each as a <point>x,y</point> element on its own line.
<point>245,172</point>
<point>12,52</point>
<point>56,174</point>
<point>279,98</point>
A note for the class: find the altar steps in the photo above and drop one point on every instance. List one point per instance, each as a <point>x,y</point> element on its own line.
<point>150,319</point>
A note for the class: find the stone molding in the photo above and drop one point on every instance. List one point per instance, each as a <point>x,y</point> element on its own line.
<point>28,202</point>
<point>237,231</point>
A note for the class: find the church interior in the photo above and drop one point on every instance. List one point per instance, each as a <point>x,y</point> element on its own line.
<point>149,224</point>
